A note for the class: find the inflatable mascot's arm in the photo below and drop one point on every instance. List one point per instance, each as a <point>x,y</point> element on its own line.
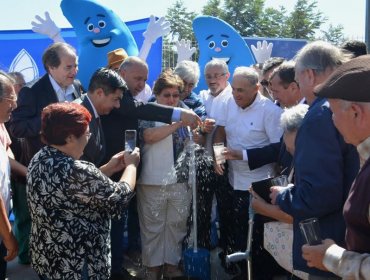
<point>47,27</point>
<point>155,30</point>
<point>263,51</point>
<point>184,50</point>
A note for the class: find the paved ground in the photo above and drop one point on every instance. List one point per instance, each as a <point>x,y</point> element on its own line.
<point>17,271</point>
<point>25,272</point>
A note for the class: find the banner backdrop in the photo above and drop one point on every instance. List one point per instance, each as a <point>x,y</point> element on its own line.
<point>22,50</point>
<point>283,47</point>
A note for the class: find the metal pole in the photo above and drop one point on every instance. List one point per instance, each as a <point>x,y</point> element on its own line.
<point>247,255</point>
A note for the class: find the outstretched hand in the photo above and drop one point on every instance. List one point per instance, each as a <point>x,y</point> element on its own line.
<point>184,50</point>
<point>189,118</point>
<point>263,51</point>
<point>47,27</point>
<point>156,29</point>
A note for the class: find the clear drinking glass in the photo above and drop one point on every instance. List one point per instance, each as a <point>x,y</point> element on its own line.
<point>310,229</point>
<point>281,180</point>
<point>218,148</point>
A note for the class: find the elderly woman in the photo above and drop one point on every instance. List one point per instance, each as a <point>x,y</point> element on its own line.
<point>71,201</point>
<point>290,120</point>
<point>163,200</point>
<point>189,72</point>
<point>278,236</point>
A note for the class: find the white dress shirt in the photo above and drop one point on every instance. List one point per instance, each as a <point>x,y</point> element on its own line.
<point>256,126</point>
<point>62,95</point>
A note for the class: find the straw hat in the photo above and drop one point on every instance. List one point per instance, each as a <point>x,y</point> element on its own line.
<point>116,57</point>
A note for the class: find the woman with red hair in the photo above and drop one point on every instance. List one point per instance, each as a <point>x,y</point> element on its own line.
<point>71,201</point>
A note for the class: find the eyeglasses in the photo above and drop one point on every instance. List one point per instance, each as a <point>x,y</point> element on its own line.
<point>215,76</point>
<point>168,95</point>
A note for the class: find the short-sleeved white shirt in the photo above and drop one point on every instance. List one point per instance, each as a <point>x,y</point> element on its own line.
<point>216,104</point>
<point>215,108</point>
<point>256,126</point>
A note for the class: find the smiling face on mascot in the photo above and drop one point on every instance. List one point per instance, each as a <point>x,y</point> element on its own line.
<point>98,30</point>
<point>218,39</point>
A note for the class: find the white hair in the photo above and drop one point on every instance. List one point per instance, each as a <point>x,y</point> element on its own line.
<point>291,119</point>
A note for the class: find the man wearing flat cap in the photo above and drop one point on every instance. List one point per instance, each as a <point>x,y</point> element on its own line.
<point>325,166</point>
<point>348,92</point>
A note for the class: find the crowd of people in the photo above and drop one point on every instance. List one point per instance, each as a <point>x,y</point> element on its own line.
<point>73,185</point>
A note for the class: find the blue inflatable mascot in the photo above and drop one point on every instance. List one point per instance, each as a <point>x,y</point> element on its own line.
<point>98,30</point>
<point>218,39</point>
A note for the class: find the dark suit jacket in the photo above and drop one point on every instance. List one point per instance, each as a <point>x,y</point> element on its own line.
<point>325,167</point>
<point>95,148</point>
<point>275,152</point>
<point>126,117</point>
<point>26,118</point>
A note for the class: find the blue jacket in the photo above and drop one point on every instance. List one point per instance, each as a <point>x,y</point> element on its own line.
<point>325,167</point>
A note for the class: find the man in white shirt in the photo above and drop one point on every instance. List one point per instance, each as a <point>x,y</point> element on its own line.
<point>249,120</point>
<point>215,99</point>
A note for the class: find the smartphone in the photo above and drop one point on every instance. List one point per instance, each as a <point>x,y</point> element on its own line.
<point>130,140</point>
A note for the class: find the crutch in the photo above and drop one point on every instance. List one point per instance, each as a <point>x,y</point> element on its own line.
<point>238,256</point>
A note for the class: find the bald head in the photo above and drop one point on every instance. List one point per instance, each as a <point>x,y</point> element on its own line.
<point>135,73</point>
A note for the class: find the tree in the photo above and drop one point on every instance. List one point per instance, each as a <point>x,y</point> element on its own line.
<point>181,23</point>
<point>244,15</point>
<point>181,20</point>
<point>272,23</point>
<point>213,8</point>
<point>251,18</point>
<point>304,20</point>
<point>334,34</point>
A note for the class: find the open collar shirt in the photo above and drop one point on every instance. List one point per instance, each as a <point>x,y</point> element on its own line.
<point>256,126</point>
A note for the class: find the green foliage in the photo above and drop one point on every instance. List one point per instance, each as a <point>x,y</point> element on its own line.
<point>213,8</point>
<point>181,20</point>
<point>334,34</point>
<point>272,23</point>
<point>252,18</point>
<point>181,23</point>
<point>244,15</point>
<point>304,20</point>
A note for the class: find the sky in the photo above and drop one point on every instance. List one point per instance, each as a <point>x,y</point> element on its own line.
<point>13,17</point>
